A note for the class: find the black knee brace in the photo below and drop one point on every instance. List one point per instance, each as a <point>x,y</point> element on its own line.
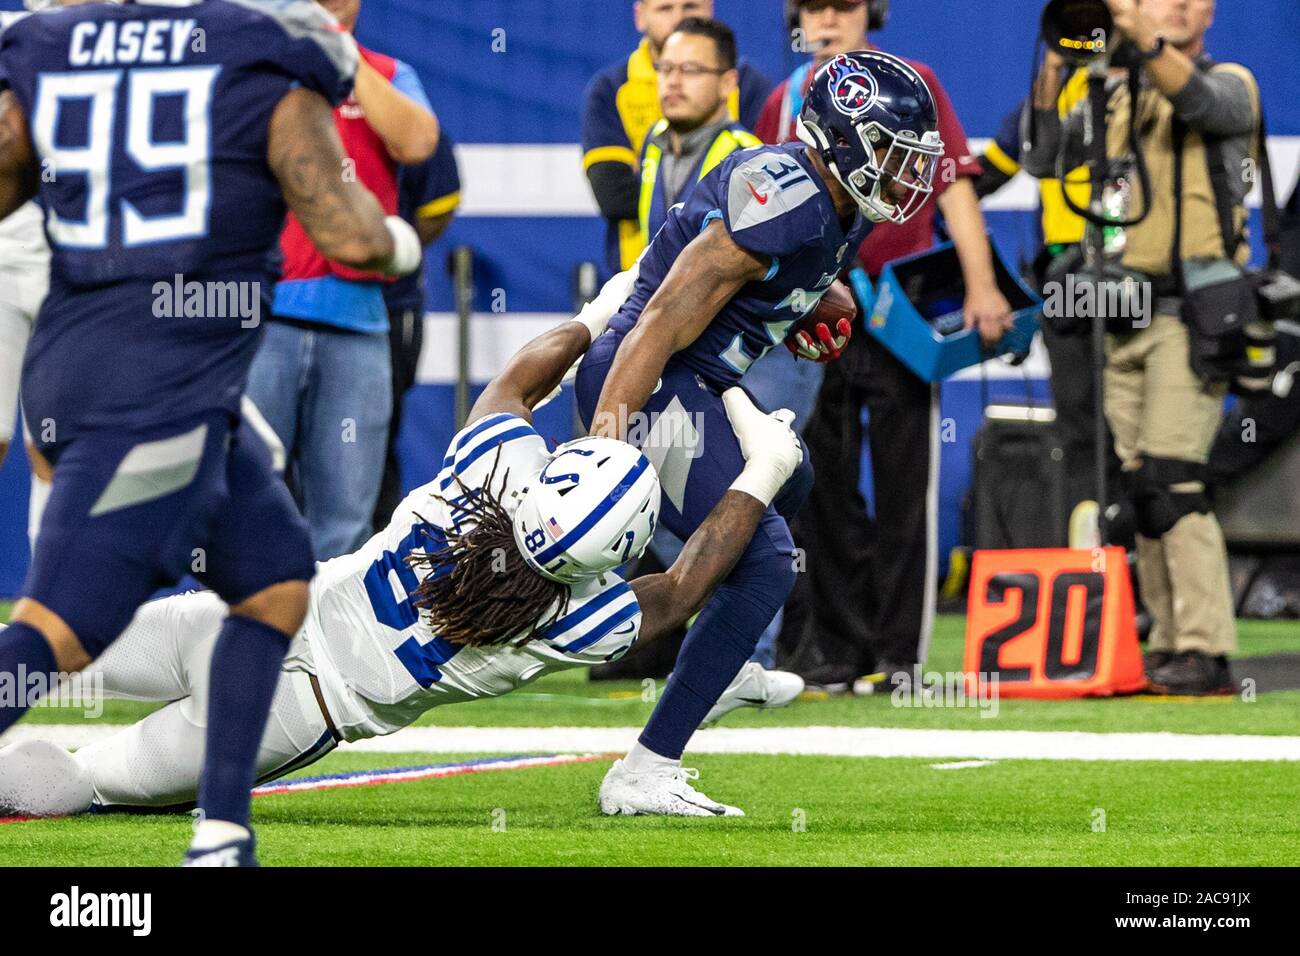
<point>1158,507</point>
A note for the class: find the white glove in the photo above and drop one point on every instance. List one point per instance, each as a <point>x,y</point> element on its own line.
<point>771,448</point>
<point>595,315</point>
<point>408,253</point>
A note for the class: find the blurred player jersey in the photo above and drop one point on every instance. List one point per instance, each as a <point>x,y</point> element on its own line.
<point>24,282</point>
<point>318,289</point>
<point>156,119</point>
<point>22,239</point>
<point>378,665</point>
<point>774,203</point>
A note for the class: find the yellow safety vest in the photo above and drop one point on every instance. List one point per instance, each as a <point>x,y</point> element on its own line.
<point>728,140</point>
<point>638,106</point>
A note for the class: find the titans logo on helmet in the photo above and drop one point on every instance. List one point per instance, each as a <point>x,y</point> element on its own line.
<point>852,89</point>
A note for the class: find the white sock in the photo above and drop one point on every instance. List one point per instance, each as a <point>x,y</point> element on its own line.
<point>35,508</point>
<point>211,833</point>
<point>641,760</point>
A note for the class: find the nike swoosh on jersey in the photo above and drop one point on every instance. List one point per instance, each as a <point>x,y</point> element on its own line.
<point>762,200</point>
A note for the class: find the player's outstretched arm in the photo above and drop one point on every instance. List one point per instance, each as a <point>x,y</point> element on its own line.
<point>536,370</point>
<point>705,277</point>
<point>341,216</point>
<point>772,453</point>
<point>19,171</point>
<point>533,373</point>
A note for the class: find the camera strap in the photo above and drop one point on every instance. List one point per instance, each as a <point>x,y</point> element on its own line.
<point>1214,158</point>
<point>1272,213</point>
<point>1232,237</point>
<point>1176,252</point>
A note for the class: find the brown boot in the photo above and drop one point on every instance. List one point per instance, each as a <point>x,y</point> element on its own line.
<point>1193,673</point>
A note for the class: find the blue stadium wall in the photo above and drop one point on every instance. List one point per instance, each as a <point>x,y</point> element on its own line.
<point>530,220</point>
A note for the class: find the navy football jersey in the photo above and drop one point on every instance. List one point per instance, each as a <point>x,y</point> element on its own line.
<point>772,202</point>
<point>150,123</point>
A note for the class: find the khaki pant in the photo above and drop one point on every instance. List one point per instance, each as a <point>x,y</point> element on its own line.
<point>1157,407</point>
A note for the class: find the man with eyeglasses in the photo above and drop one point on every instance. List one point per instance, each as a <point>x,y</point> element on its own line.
<point>697,76</point>
<point>620,107</point>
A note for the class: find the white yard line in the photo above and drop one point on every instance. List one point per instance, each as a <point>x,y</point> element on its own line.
<point>819,741</point>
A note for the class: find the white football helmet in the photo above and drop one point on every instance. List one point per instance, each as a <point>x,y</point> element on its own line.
<point>592,508</point>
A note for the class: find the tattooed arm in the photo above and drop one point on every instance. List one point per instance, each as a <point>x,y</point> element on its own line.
<point>343,218</point>
<point>19,171</point>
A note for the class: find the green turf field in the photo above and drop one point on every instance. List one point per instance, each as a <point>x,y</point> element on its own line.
<point>801,809</point>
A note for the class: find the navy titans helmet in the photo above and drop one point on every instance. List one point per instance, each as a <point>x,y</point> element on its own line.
<point>873,120</point>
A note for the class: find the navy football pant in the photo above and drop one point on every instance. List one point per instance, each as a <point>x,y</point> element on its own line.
<point>132,512</point>
<point>687,436</point>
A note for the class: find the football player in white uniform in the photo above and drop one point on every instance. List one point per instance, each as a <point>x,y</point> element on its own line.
<point>24,282</point>
<point>495,573</point>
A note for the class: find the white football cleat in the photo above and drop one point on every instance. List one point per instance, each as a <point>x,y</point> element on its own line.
<point>38,779</point>
<point>756,687</point>
<point>663,792</point>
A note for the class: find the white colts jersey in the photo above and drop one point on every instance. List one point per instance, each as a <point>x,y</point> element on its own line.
<point>23,248</point>
<point>22,243</point>
<point>379,665</point>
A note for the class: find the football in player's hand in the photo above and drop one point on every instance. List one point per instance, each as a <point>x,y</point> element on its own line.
<point>822,335</point>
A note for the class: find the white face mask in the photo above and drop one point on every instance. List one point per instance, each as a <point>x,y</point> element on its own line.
<point>907,165</point>
<point>868,184</point>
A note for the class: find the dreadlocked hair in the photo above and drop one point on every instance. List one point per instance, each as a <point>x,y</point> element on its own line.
<point>477,590</point>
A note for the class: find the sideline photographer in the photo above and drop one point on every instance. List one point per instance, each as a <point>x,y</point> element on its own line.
<point>1167,372</point>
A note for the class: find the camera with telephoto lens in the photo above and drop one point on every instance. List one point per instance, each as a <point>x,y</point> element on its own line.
<point>1080,31</point>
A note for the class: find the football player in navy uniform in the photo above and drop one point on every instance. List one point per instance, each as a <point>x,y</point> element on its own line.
<point>729,275</point>
<point>176,135</point>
